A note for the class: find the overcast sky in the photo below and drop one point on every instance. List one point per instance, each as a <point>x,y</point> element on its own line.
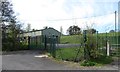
<point>57,13</point>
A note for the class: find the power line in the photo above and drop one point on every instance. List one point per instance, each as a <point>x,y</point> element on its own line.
<point>75,18</point>
<point>80,18</point>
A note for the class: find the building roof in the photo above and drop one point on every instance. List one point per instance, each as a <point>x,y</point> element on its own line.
<point>42,30</point>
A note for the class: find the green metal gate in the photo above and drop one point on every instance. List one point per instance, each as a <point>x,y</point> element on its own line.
<point>35,43</point>
<point>51,44</point>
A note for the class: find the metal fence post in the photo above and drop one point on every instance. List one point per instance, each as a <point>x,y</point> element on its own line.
<point>45,42</point>
<point>106,43</point>
<point>54,47</point>
<point>36,42</point>
<point>28,42</point>
<point>97,40</point>
<point>85,39</point>
<point>50,45</point>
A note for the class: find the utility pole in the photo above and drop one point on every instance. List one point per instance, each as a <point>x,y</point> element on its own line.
<point>116,29</point>
<point>115,20</point>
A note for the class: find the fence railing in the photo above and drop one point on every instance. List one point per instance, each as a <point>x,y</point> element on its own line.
<point>71,47</point>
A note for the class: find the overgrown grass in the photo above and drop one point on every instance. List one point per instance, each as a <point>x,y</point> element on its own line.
<point>110,34</point>
<point>69,54</point>
<point>116,52</point>
<point>72,39</point>
<point>88,63</point>
<point>101,38</point>
<point>102,60</point>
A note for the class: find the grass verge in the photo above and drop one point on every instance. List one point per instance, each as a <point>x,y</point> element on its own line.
<point>71,54</point>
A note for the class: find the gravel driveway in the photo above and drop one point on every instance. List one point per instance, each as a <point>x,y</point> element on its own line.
<point>26,60</point>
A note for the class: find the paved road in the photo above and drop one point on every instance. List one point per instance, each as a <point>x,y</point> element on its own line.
<point>29,62</point>
<point>67,45</point>
<point>26,60</point>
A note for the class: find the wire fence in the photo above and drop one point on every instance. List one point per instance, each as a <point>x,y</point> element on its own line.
<point>71,47</point>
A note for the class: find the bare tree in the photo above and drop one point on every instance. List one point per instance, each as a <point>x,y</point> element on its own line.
<point>28,28</point>
<point>61,30</point>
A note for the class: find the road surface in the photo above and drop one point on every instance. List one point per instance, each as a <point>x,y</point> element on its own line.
<point>67,45</point>
<point>27,60</point>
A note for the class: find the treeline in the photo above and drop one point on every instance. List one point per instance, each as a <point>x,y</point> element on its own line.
<point>75,30</point>
<point>11,27</point>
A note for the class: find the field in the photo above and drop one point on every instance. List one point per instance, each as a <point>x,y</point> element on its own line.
<point>73,39</point>
<point>70,54</point>
<point>77,39</point>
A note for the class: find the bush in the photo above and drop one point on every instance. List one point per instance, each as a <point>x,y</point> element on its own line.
<point>23,47</point>
<point>88,63</point>
<point>9,46</point>
<point>91,48</point>
<point>103,59</point>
